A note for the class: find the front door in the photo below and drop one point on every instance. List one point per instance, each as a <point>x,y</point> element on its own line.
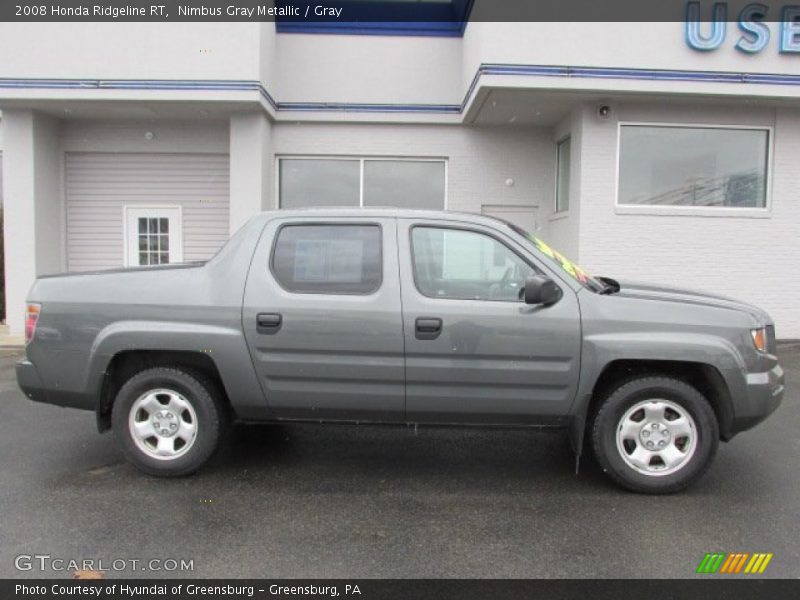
<point>474,351</point>
<point>322,319</point>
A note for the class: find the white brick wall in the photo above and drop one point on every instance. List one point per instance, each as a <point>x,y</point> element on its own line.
<point>748,258</point>
<point>479,159</point>
<point>751,259</point>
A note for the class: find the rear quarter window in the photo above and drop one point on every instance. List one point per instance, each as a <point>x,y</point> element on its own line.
<point>328,259</point>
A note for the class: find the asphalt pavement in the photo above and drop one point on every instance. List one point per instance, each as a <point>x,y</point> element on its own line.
<point>355,501</point>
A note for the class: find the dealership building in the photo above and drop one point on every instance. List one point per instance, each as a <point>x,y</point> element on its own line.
<point>646,151</point>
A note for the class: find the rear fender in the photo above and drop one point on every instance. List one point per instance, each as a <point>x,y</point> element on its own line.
<point>224,345</point>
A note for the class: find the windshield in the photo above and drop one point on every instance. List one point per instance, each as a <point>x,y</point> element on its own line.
<point>561,261</point>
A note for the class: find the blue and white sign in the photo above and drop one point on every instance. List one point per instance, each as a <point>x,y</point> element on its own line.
<point>755,31</point>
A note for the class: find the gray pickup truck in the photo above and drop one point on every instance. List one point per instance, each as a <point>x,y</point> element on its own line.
<point>406,317</point>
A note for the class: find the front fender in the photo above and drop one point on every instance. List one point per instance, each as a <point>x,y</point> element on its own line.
<point>602,349</point>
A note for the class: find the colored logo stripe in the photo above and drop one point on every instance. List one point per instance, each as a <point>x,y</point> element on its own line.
<point>733,563</point>
<point>711,562</point>
<point>758,563</point>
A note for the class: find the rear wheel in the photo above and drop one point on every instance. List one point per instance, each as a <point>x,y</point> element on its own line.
<point>168,421</point>
<point>655,435</point>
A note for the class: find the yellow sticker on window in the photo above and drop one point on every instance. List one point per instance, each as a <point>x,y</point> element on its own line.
<point>570,267</point>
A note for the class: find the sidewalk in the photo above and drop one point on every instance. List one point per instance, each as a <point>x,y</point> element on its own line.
<point>10,341</point>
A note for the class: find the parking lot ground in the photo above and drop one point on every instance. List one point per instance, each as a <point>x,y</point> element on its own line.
<point>355,501</point>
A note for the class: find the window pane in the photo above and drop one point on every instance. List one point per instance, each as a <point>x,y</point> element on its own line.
<point>320,182</point>
<point>163,225</point>
<point>453,263</point>
<point>404,183</point>
<point>562,183</point>
<point>328,259</point>
<point>142,225</point>
<point>693,166</point>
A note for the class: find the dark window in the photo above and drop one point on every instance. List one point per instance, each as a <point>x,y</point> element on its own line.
<point>153,241</point>
<point>693,166</point>
<point>319,182</point>
<point>328,259</point>
<point>466,265</point>
<point>404,183</point>
<point>562,175</point>
<point>407,183</point>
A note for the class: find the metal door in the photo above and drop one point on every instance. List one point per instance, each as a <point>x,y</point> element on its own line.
<point>325,344</point>
<point>479,354</point>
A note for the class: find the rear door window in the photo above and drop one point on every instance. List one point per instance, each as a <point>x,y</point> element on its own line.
<point>328,258</point>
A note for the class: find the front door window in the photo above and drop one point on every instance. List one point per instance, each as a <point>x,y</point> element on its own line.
<point>466,265</point>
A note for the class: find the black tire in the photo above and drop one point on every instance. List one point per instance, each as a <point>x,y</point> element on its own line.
<point>206,402</point>
<point>608,418</point>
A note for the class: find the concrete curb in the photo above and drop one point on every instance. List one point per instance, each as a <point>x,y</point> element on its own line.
<point>12,341</point>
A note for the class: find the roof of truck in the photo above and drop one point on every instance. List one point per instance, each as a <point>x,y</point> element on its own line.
<point>380,211</point>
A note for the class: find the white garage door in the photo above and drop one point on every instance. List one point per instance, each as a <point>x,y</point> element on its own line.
<point>104,189</point>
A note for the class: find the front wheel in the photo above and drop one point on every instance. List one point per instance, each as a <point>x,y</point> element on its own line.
<point>168,421</point>
<point>655,435</point>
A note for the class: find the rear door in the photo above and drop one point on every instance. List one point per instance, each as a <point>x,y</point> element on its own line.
<point>474,351</point>
<point>323,321</point>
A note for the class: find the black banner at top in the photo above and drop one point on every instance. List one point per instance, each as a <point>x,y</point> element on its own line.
<point>441,14</point>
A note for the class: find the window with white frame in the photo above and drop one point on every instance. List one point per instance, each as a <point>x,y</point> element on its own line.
<point>562,174</point>
<point>153,236</point>
<point>698,166</point>
<point>400,182</point>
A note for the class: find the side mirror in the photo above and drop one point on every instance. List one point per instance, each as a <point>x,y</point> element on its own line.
<point>540,289</point>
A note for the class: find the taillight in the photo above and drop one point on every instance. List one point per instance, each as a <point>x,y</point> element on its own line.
<point>31,318</point>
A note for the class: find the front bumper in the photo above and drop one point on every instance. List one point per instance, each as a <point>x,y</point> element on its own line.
<point>764,394</point>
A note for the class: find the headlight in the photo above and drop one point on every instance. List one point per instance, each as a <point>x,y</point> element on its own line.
<point>760,338</point>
